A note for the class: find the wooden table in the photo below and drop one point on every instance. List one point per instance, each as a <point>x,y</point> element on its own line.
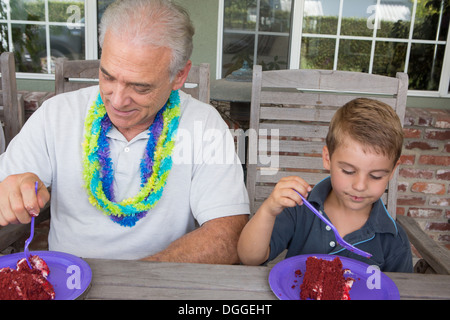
<point>121,279</point>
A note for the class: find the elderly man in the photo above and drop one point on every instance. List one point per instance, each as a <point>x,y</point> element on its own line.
<point>131,164</point>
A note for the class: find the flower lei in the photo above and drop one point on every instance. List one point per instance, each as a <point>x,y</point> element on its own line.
<point>155,165</point>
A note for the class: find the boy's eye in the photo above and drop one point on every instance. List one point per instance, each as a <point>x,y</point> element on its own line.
<point>376,177</point>
<point>348,172</point>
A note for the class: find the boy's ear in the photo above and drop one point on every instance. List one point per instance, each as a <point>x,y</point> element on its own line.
<point>393,170</point>
<point>326,158</point>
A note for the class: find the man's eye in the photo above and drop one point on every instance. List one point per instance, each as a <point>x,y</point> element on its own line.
<point>141,90</point>
<point>106,77</point>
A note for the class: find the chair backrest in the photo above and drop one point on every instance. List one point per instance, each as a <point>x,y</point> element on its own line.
<point>289,118</point>
<point>2,140</point>
<point>12,114</point>
<point>72,75</point>
<point>197,83</point>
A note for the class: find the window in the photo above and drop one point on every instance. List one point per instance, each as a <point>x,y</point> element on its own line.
<point>380,37</point>
<point>256,30</point>
<point>38,31</point>
<point>374,36</point>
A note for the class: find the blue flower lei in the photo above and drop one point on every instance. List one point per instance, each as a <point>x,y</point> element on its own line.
<point>155,164</point>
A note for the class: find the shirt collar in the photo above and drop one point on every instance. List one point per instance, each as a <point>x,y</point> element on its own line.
<point>115,134</point>
<point>379,220</point>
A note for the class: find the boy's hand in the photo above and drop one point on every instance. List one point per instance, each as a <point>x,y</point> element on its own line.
<point>283,195</point>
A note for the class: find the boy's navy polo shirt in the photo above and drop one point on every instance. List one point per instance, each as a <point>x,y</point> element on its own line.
<point>300,231</point>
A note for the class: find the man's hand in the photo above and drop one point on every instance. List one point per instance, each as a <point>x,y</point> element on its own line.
<point>18,200</point>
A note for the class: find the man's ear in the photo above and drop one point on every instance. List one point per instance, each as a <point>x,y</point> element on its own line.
<point>181,76</point>
<point>326,158</point>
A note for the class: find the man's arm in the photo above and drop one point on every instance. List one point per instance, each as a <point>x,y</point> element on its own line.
<point>215,242</point>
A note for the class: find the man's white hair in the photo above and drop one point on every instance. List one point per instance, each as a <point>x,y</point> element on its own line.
<point>160,23</point>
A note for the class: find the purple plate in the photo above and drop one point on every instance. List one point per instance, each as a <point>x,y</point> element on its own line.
<point>70,275</point>
<point>369,284</point>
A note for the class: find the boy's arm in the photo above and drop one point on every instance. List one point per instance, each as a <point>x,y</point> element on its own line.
<point>254,242</point>
<point>253,245</point>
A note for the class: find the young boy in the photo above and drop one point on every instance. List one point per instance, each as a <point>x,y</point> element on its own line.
<point>362,151</point>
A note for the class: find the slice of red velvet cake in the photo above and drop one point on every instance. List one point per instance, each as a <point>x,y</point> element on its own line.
<point>24,283</point>
<point>324,280</point>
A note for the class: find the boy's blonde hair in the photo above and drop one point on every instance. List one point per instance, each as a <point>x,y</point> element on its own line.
<point>372,123</point>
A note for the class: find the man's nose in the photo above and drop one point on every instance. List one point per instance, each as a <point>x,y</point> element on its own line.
<point>120,96</point>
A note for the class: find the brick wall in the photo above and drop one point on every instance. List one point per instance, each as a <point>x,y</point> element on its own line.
<point>424,176</point>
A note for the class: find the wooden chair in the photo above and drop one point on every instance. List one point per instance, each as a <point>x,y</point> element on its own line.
<point>2,140</point>
<point>434,258</point>
<point>289,118</point>
<point>12,114</point>
<point>197,83</point>
<point>72,75</point>
<point>297,106</point>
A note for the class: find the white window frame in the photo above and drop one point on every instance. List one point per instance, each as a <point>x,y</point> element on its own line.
<point>297,35</point>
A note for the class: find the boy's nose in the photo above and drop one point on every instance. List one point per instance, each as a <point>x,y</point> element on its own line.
<point>359,183</point>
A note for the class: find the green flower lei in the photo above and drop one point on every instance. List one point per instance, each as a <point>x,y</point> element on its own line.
<point>155,165</point>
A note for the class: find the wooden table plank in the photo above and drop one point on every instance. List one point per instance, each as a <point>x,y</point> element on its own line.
<point>152,293</point>
<point>119,279</point>
<point>421,286</point>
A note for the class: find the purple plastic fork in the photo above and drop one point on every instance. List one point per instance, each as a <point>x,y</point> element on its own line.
<point>28,241</point>
<point>341,241</point>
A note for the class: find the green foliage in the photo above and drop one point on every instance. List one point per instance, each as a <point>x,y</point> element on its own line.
<point>425,63</point>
